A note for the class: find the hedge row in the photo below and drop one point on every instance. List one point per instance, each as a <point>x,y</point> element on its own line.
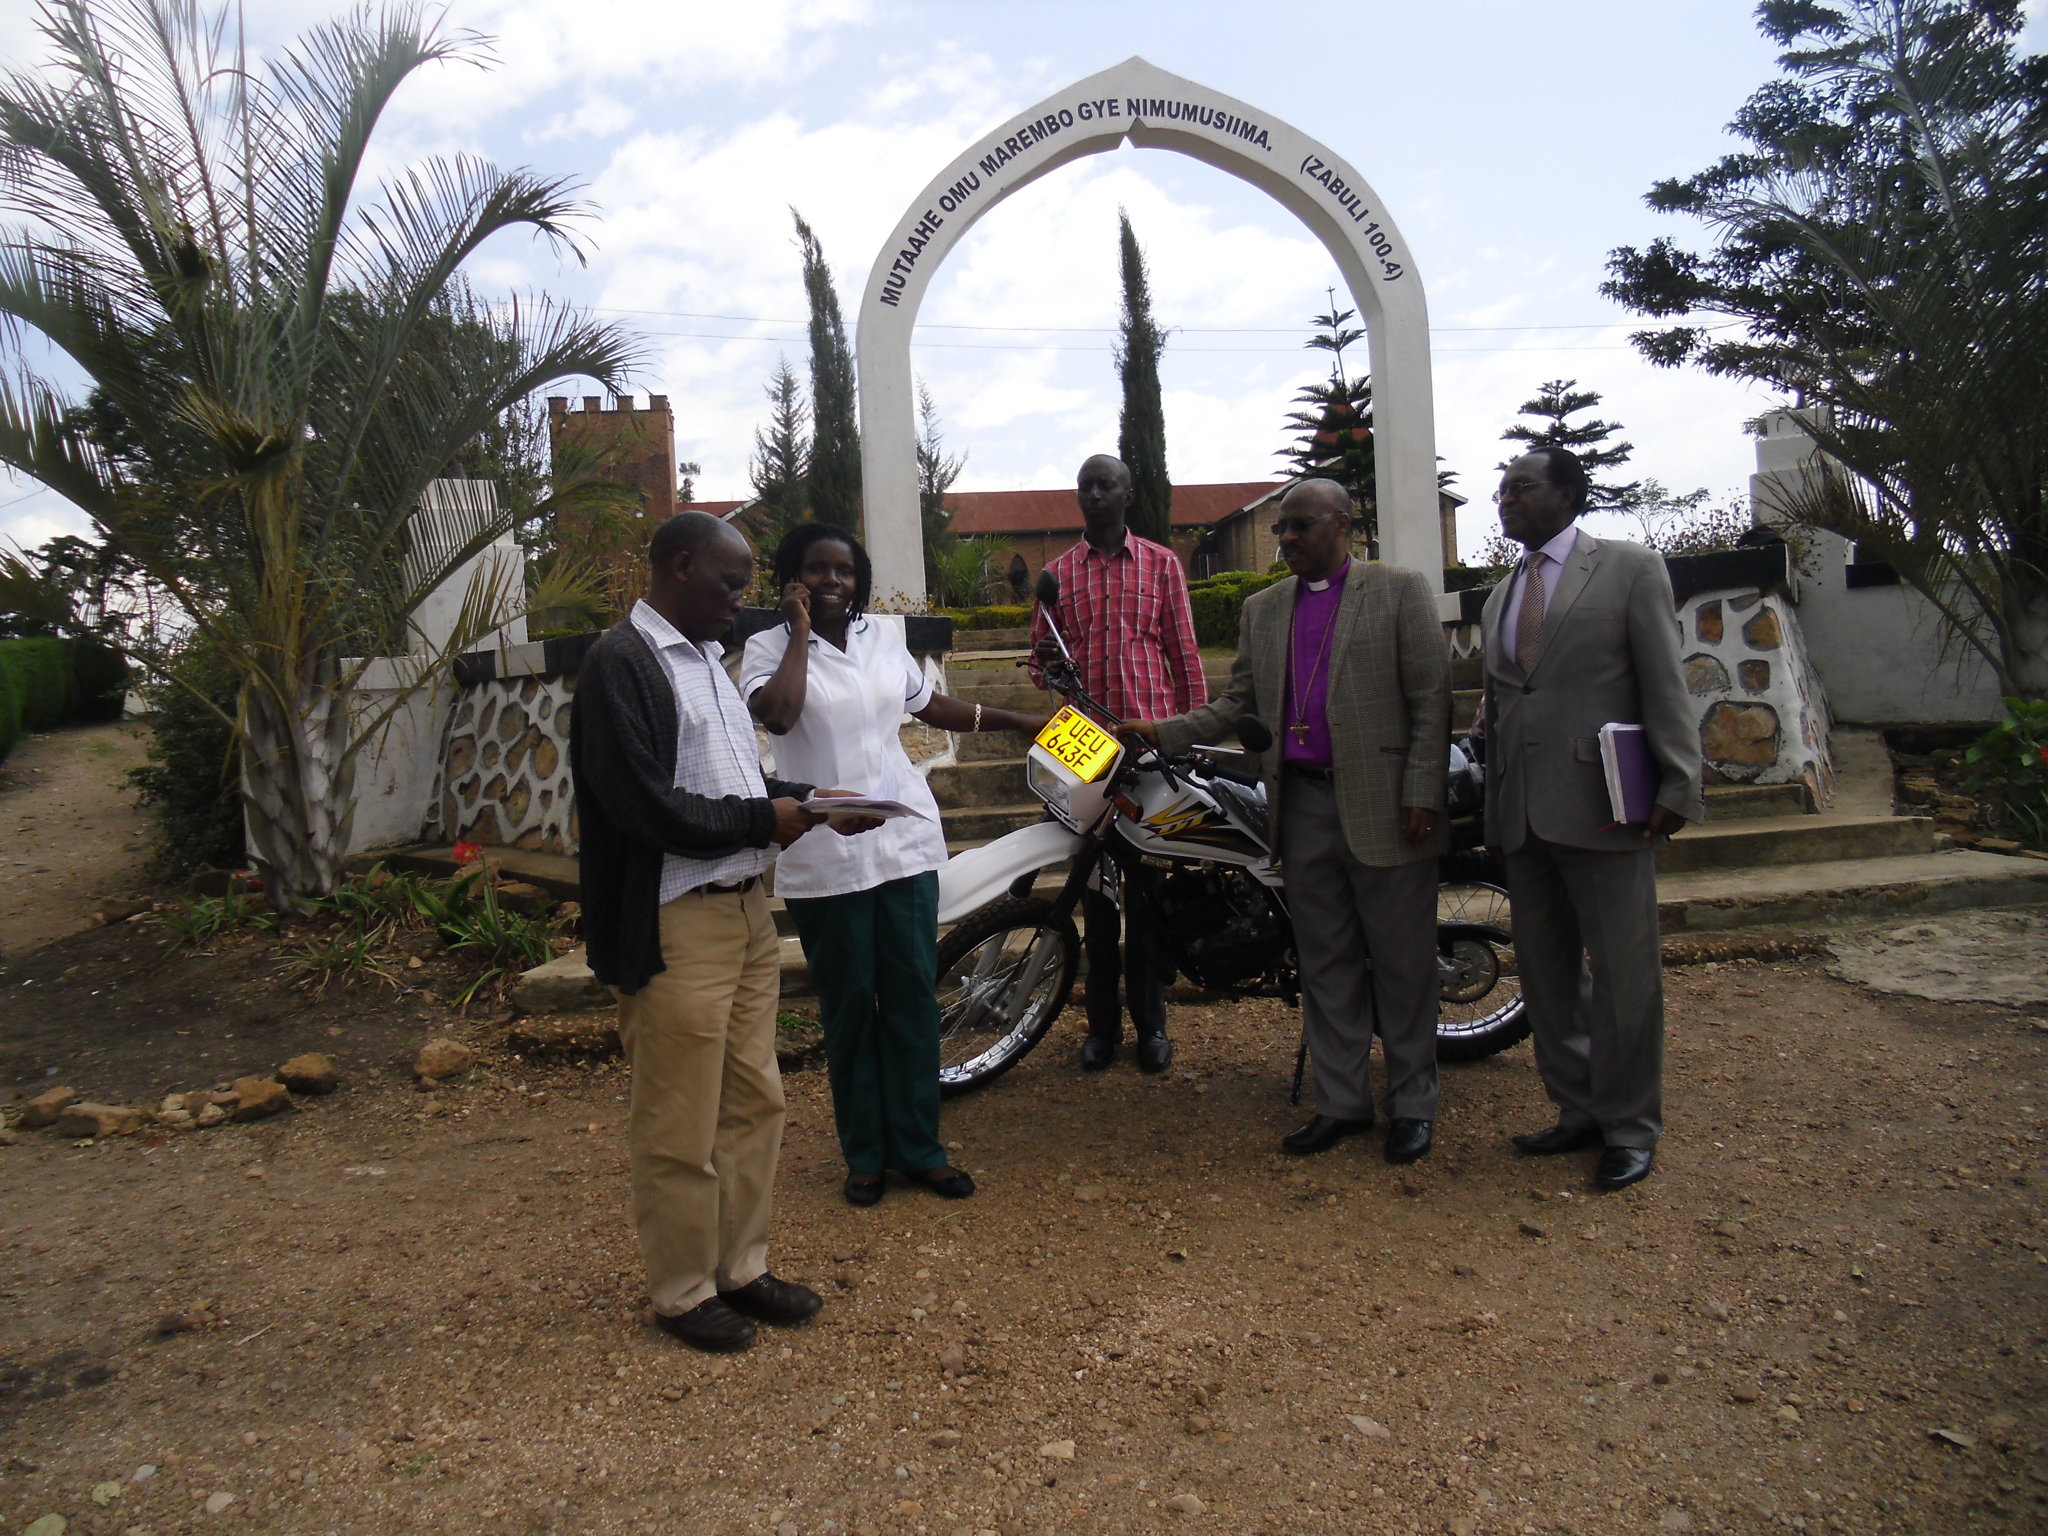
<point>47,683</point>
<point>998,616</point>
<point>1218,600</point>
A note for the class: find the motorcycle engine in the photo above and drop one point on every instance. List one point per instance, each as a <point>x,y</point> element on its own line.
<point>1221,925</point>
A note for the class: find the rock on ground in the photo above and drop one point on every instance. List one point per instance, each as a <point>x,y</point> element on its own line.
<point>443,1058</point>
<point>46,1107</point>
<point>99,1120</point>
<point>311,1072</point>
<point>1969,957</point>
<point>256,1097</point>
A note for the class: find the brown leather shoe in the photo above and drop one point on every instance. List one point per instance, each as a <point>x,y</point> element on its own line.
<point>711,1326</point>
<point>769,1300</point>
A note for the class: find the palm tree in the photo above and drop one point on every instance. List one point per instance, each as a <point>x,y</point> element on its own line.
<point>291,358</point>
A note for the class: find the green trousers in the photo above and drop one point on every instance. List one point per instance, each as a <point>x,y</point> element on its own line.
<point>874,957</point>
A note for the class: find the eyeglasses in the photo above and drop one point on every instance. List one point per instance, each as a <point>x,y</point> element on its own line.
<point>1516,488</point>
<point>1296,525</point>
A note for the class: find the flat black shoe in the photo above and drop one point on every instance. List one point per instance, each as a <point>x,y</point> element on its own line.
<point>1097,1052</point>
<point>862,1189</point>
<point>769,1300</point>
<point>1155,1052</point>
<point>1557,1138</point>
<point>1409,1139</point>
<point>711,1325</point>
<point>947,1181</point>
<point>1622,1166</point>
<point>1321,1134</point>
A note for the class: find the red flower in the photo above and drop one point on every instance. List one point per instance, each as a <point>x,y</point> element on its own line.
<point>468,853</point>
<point>2044,754</point>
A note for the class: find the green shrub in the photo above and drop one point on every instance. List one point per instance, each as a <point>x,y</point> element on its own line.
<point>10,713</point>
<point>1219,600</point>
<point>99,681</point>
<point>41,670</point>
<point>192,777</point>
<point>1463,578</point>
<point>2013,756</point>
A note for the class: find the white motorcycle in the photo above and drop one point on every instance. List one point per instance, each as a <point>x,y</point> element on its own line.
<point>1219,914</point>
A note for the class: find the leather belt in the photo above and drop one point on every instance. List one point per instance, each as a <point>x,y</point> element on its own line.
<point>1305,771</point>
<point>737,888</point>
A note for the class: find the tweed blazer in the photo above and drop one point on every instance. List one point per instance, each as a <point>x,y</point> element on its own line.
<point>1389,704</point>
<point>1609,655</point>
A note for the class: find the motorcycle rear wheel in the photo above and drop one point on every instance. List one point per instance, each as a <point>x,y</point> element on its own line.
<point>1480,1009</point>
<point>1004,975</point>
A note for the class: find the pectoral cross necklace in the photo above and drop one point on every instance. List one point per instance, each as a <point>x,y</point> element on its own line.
<point>1304,692</point>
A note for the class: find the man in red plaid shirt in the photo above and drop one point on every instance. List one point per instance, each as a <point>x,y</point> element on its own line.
<point>1125,614</point>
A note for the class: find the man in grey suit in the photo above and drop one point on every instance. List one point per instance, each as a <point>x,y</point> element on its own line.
<point>1350,659</point>
<point>1584,634</point>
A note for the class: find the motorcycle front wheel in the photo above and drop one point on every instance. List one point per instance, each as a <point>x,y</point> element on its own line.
<point>1480,1010</point>
<point>1004,976</point>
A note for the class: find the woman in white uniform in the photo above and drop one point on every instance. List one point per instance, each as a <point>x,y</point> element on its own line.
<point>832,685</point>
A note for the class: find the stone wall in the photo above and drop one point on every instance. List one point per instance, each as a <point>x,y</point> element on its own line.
<point>1763,718</point>
<point>504,775</point>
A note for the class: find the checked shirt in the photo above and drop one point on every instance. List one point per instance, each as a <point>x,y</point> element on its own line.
<point>1127,620</point>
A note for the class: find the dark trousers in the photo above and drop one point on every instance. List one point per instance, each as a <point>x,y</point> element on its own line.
<point>1144,993</point>
<point>1598,1026</point>
<point>874,957</point>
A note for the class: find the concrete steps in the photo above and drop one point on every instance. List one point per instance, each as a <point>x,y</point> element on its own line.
<point>1756,842</point>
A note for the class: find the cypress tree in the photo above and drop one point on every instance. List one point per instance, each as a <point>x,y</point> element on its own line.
<point>1141,426</point>
<point>835,434</point>
<point>781,466</point>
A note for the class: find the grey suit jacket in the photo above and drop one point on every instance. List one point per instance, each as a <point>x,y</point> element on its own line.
<point>1609,655</point>
<point>1389,704</point>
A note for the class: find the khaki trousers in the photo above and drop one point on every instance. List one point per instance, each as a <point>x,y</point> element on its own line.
<point>705,1129</point>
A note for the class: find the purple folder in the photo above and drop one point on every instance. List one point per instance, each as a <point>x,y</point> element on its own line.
<point>1632,776</point>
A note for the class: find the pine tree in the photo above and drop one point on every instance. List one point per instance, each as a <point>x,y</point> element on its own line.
<point>781,466</point>
<point>936,472</point>
<point>835,435</point>
<point>1333,429</point>
<point>1558,400</point>
<point>1141,427</point>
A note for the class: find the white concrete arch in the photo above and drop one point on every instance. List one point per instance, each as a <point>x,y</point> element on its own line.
<point>1151,108</point>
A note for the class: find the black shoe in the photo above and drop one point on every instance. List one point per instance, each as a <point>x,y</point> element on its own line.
<point>1558,1138</point>
<point>1622,1166</point>
<point>1321,1134</point>
<point>862,1189</point>
<point>1097,1051</point>
<point>769,1300</point>
<point>947,1181</point>
<point>711,1326</point>
<point>1155,1052</point>
<point>1409,1139</point>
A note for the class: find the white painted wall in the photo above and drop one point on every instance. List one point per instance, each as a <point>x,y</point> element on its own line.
<point>395,772</point>
<point>1879,651</point>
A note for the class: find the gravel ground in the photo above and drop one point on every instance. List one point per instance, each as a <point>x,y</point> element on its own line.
<point>393,1310</point>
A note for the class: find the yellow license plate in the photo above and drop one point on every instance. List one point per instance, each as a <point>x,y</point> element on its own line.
<point>1079,743</point>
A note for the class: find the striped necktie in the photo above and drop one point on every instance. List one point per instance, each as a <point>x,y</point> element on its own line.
<point>1529,620</point>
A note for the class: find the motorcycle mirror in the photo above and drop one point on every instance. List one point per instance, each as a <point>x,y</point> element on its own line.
<point>1047,590</point>
<point>1253,734</point>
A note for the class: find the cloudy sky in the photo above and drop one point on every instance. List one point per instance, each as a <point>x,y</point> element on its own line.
<point>1512,143</point>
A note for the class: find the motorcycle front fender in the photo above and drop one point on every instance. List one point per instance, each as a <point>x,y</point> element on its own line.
<point>971,880</point>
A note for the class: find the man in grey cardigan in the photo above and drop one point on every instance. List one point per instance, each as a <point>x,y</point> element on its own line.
<point>1584,634</point>
<point>1350,660</point>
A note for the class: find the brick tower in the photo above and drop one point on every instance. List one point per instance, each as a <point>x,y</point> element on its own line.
<point>643,439</point>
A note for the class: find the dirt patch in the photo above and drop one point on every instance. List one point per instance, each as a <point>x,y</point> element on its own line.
<point>73,833</point>
<point>392,1310</point>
